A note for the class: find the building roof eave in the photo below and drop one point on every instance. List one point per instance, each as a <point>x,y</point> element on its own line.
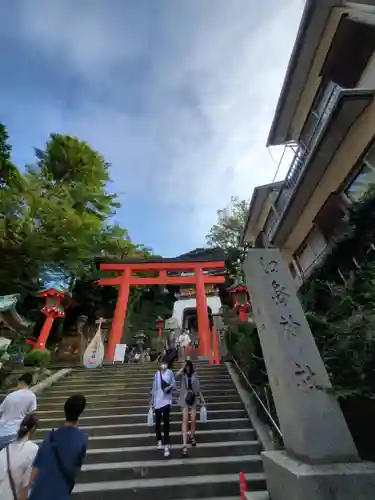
<point>260,193</point>
<point>314,18</point>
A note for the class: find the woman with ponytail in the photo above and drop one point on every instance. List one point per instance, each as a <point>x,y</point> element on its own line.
<point>16,462</point>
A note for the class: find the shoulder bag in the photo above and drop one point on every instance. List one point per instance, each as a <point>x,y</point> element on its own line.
<point>190,395</point>
<point>70,480</point>
<point>10,477</point>
<point>164,385</point>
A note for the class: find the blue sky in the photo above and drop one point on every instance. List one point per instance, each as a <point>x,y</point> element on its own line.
<point>177,94</point>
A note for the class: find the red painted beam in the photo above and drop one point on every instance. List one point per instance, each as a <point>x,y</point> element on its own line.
<point>175,280</point>
<point>164,266</point>
<point>109,281</point>
<point>183,280</point>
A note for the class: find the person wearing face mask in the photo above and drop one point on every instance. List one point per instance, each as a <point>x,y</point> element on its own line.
<point>161,402</point>
<point>16,461</point>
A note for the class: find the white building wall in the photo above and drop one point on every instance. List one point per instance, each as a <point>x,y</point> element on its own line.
<point>214,303</point>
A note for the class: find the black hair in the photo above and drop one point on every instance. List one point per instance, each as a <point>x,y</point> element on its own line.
<point>26,378</point>
<point>74,407</point>
<point>29,422</point>
<point>189,364</point>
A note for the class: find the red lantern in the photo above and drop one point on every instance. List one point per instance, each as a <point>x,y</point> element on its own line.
<point>53,308</point>
<point>241,304</point>
<point>160,327</point>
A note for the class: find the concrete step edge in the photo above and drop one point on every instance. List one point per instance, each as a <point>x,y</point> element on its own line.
<point>257,495</point>
<point>141,424</point>
<point>133,484</point>
<point>207,446</point>
<point>171,462</point>
<point>141,407</point>
<point>125,392</point>
<point>113,399</point>
<point>131,385</point>
<point>151,435</point>
<point>136,415</point>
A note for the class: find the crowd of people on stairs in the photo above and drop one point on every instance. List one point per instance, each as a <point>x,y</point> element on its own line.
<point>29,471</point>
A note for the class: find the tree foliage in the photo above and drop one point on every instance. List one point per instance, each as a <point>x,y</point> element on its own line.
<point>56,214</point>
<point>231,220</point>
<point>227,233</point>
<point>340,301</point>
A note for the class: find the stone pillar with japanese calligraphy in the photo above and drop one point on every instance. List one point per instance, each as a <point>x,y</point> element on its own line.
<point>321,460</point>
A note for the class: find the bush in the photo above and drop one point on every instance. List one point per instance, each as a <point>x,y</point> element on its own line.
<point>38,357</point>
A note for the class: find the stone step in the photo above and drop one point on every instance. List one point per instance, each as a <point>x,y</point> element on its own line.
<point>122,458</point>
<point>169,487</point>
<point>214,498</point>
<point>131,388</point>
<point>144,439</point>
<point>128,410</point>
<point>57,395</point>
<point>174,466</point>
<point>103,402</point>
<point>132,369</point>
<point>132,384</point>
<point>121,382</point>
<point>149,451</point>
<point>257,495</point>
<point>144,368</point>
<point>120,417</point>
<point>106,430</point>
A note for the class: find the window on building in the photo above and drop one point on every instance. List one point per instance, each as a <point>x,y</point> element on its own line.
<point>310,251</point>
<point>366,176</point>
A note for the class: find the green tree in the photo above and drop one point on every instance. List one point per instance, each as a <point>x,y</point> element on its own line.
<point>56,216</point>
<point>227,233</point>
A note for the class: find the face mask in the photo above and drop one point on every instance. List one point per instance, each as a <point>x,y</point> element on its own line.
<point>164,367</point>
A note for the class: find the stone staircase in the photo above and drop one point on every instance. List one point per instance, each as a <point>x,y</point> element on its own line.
<point>122,459</point>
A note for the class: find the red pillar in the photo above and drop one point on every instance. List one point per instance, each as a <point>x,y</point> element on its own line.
<point>44,332</point>
<point>202,312</point>
<point>119,317</point>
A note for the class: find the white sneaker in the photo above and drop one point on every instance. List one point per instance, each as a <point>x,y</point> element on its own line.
<point>160,445</point>
<point>167,451</point>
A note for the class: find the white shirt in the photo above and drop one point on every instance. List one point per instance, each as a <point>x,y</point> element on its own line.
<point>14,408</point>
<point>21,454</point>
<point>184,340</point>
<point>159,397</point>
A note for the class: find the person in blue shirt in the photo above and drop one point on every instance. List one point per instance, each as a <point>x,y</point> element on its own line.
<point>60,456</point>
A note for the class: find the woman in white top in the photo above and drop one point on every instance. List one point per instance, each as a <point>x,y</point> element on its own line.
<point>161,402</point>
<point>184,341</point>
<point>16,462</point>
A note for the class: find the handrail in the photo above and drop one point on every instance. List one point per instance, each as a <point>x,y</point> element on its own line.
<point>274,424</point>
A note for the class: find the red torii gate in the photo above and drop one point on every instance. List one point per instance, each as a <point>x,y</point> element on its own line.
<point>127,278</point>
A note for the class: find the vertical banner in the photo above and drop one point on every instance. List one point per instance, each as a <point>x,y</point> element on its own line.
<point>94,354</point>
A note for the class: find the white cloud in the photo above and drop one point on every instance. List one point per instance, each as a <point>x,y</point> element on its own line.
<point>214,72</point>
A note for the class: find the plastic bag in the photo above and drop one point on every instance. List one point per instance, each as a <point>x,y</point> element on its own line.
<point>150,418</point>
<point>203,414</point>
<point>94,354</point>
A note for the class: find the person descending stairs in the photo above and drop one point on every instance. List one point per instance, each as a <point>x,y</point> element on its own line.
<point>122,458</point>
